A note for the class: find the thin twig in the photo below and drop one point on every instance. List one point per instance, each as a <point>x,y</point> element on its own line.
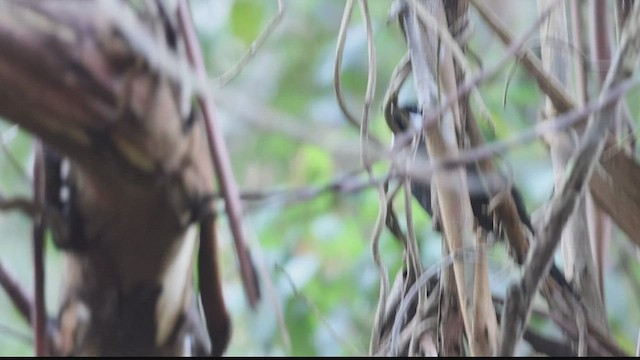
<point>514,48</point>
<point>382,269</point>
<point>580,70</point>
<point>583,331</point>
<point>232,72</point>
<point>337,82</point>
<point>382,205</point>
<point>24,205</point>
<point>399,75</point>
<point>444,35</point>
<point>411,248</point>
<point>562,101</point>
<point>599,344</point>
<point>423,170</point>
<point>468,256</point>
<point>391,221</point>
<point>51,217</point>
<point>472,83</point>
<point>17,294</point>
<point>12,160</point>
<point>557,124</point>
<point>296,292</point>
<point>276,299</point>
<point>370,92</point>
<point>348,186</point>
<point>342,38</point>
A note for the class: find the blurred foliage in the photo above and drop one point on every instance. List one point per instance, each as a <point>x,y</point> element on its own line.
<point>314,256</point>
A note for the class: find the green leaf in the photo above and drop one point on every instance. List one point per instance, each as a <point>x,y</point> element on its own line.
<point>246,19</point>
<point>315,162</point>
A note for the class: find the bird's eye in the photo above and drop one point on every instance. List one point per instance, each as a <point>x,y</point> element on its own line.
<point>403,118</point>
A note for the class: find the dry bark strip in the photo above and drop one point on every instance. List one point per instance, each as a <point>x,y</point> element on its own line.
<point>576,245</point>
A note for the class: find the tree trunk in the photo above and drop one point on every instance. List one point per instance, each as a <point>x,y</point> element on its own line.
<point>90,78</point>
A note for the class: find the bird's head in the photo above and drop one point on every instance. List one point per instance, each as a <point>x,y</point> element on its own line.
<point>404,117</point>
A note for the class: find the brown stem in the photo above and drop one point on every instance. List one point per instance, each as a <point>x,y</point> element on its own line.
<point>220,157</point>
<point>39,316</point>
<point>557,93</point>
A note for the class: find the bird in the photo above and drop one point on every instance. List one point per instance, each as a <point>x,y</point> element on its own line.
<point>401,119</point>
<point>404,118</point>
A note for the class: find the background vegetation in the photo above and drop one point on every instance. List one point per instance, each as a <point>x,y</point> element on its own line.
<point>287,140</point>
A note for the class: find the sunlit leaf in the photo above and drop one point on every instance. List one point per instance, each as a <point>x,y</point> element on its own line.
<point>246,19</point>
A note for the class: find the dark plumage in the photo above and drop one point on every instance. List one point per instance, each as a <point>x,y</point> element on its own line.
<point>480,198</point>
<point>400,120</point>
